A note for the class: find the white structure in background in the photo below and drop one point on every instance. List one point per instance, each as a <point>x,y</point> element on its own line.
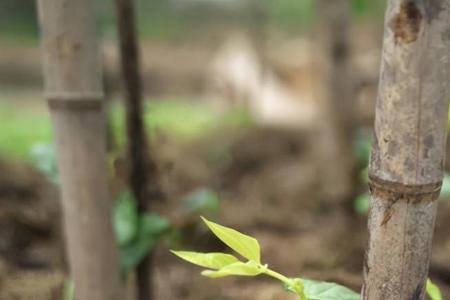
<point>239,75</point>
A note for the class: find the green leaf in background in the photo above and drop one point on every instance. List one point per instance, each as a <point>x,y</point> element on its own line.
<point>23,126</point>
<point>68,292</point>
<point>359,7</point>
<point>131,255</point>
<point>181,118</point>
<point>363,147</point>
<point>151,224</point>
<point>44,158</point>
<point>150,229</point>
<point>362,204</point>
<point>445,190</point>
<point>433,291</point>
<point>202,201</point>
<point>364,175</point>
<point>245,245</point>
<point>320,290</point>
<point>207,260</point>
<point>239,268</point>
<point>125,218</point>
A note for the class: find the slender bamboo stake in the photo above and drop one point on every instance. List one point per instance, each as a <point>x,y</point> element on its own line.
<point>74,92</point>
<point>406,166</point>
<point>336,100</point>
<point>142,167</point>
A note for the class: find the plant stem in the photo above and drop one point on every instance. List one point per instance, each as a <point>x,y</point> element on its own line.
<point>278,276</point>
<point>294,285</point>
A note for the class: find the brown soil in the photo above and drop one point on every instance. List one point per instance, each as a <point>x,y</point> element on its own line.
<point>267,182</point>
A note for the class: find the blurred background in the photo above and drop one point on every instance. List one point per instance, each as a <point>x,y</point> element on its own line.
<point>259,116</point>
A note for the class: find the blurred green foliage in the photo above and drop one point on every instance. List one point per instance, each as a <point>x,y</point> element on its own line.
<point>44,158</point>
<point>202,201</point>
<point>125,218</point>
<point>173,19</point>
<point>290,15</point>
<point>21,129</point>
<point>373,8</point>
<point>363,146</point>
<point>68,292</point>
<point>137,233</point>
<point>183,120</point>
<point>18,21</point>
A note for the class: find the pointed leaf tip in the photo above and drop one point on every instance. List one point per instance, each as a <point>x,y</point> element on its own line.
<point>245,245</point>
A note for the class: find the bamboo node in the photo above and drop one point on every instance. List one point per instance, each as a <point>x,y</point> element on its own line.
<point>75,101</point>
<point>394,191</point>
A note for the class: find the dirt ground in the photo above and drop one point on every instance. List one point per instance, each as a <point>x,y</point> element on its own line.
<point>267,183</point>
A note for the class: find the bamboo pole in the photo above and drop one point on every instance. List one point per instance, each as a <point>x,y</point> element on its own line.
<point>142,167</point>
<point>336,100</point>
<point>406,166</point>
<point>74,92</point>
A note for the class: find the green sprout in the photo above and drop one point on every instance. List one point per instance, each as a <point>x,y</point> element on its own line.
<point>222,264</point>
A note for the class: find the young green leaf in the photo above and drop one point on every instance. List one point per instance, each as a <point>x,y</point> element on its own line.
<point>433,291</point>
<point>208,260</point>
<point>239,268</point>
<point>245,245</point>
<point>320,290</point>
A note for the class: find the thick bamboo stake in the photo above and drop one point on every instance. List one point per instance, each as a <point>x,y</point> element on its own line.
<point>73,88</point>
<point>142,167</point>
<point>336,100</point>
<point>406,166</point>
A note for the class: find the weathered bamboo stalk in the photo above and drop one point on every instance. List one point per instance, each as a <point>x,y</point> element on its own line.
<point>74,91</point>
<point>336,99</point>
<point>142,167</point>
<point>406,166</point>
